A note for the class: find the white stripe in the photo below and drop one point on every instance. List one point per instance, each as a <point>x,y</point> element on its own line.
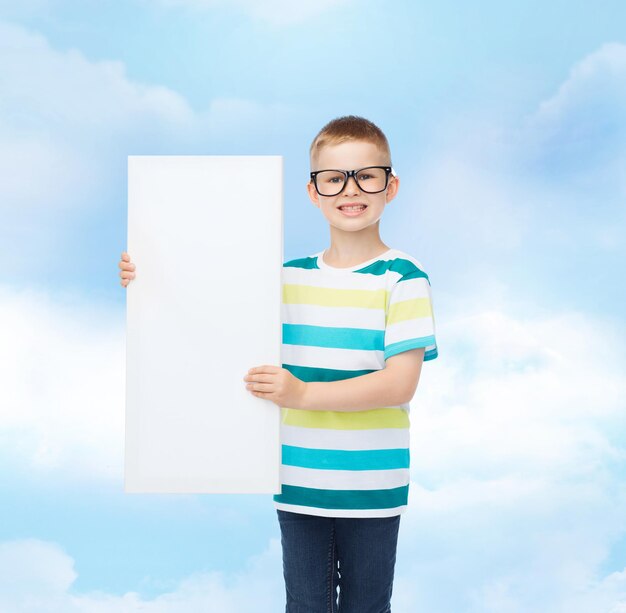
<point>323,278</point>
<point>411,288</point>
<point>344,479</point>
<point>351,440</point>
<point>340,317</point>
<point>409,328</point>
<point>332,357</point>
<point>294,508</point>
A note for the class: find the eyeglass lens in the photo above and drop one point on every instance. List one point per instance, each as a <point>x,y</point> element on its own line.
<point>371,180</point>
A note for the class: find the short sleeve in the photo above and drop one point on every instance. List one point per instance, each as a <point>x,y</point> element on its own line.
<point>409,320</point>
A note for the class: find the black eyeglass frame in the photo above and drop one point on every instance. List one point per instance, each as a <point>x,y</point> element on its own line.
<point>352,173</point>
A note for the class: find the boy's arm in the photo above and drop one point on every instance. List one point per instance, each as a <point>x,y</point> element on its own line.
<point>389,387</point>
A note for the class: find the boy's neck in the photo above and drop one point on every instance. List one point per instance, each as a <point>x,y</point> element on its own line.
<point>349,254</point>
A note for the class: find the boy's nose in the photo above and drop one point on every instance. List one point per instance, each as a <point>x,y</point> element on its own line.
<point>351,187</point>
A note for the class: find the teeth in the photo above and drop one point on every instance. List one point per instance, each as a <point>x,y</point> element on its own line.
<point>352,208</point>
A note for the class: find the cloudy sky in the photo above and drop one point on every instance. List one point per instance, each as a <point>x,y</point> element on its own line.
<point>507,124</point>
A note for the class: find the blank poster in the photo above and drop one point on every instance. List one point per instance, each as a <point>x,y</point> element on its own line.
<point>205,233</point>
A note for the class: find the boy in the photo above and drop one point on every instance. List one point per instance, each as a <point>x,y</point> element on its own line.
<point>357,326</point>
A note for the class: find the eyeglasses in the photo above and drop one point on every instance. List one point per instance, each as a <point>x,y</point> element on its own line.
<point>371,179</point>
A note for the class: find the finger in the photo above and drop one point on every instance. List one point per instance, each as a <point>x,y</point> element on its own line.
<point>127,266</point>
<point>260,387</point>
<point>265,368</point>
<point>261,378</point>
<point>127,275</point>
<point>125,256</point>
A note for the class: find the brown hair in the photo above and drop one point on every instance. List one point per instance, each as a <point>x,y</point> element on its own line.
<point>350,127</point>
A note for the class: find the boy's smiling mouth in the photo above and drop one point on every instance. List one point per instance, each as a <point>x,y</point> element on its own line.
<point>352,209</point>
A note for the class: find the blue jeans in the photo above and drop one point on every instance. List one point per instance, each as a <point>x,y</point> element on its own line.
<point>356,554</point>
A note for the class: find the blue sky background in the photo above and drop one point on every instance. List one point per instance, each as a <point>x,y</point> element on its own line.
<point>507,125</point>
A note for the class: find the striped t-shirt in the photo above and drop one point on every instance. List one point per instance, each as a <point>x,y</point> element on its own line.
<point>339,323</point>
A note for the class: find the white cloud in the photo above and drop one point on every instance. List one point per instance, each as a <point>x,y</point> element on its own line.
<point>575,140</point>
<point>33,567</point>
<point>61,115</point>
<point>66,127</point>
<point>537,204</point>
<point>66,121</point>
<point>517,463</point>
<point>62,397</point>
<point>38,576</point>
<point>589,107</point>
<point>514,543</point>
<point>470,205</point>
<point>539,393</point>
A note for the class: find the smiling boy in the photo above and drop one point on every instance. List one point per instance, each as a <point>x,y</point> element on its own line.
<point>357,326</point>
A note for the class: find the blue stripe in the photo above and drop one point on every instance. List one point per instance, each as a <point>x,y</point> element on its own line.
<point>340,338</point>
<point>339,459</point>
<point>411,343</point>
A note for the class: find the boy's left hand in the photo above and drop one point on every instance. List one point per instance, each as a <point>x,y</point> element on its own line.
<point>276,384</point>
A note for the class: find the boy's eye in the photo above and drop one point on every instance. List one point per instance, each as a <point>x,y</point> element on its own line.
<point>365,176</point>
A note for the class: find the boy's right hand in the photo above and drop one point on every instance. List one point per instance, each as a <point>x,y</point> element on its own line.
<point>128,269</point>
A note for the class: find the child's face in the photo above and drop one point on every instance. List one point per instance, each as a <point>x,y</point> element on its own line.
<point>352,155</point>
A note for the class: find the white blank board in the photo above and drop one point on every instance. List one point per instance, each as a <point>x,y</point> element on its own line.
<point>205,233</point>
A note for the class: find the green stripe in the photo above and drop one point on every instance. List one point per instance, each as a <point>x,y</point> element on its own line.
<point>341,459</point>
<point>310,262</point>
<point>405,267</point>
<point>371,419</point>
<point>431,354</point>
<point>343,499</point>
<point>310,373</point>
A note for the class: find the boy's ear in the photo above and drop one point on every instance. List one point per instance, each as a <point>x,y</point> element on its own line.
<point>392,188</point>
<point>312,193</point>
